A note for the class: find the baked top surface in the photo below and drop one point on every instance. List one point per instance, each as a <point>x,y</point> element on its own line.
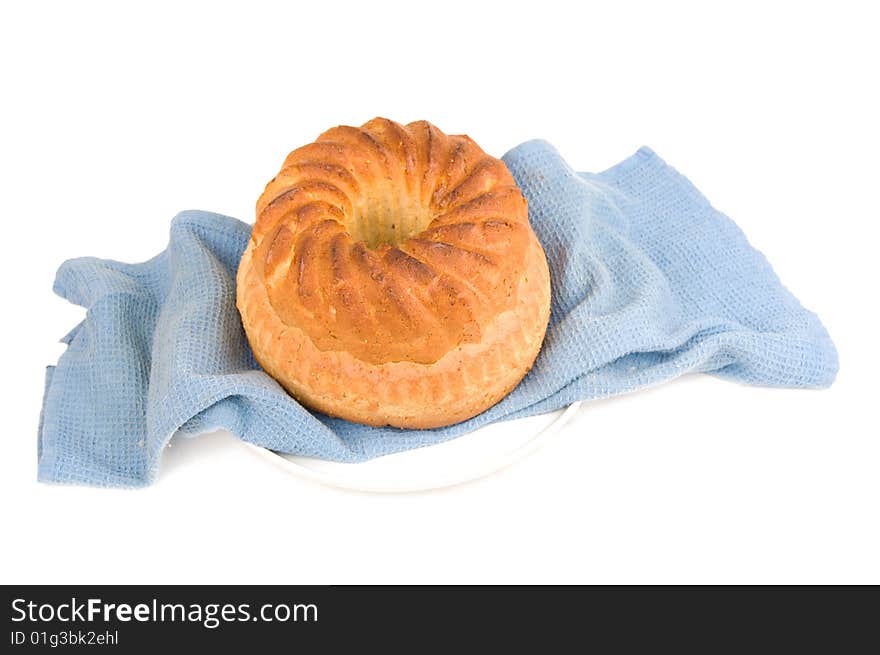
<point>391,242</point>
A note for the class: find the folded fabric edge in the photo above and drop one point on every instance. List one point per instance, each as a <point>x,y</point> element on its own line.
<point>70,284</point>
<point>641,155</point>
<point>203,218</point>
<point>47,457</point>
<point>47,382</point>
<point>819,337</point>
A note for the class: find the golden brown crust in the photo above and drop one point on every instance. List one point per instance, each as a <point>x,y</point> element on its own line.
<point>392,277</point>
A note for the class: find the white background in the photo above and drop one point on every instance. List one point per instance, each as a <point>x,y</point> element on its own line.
<point>114,119</point>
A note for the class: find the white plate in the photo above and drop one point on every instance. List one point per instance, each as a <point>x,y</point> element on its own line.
<point>469,457</point>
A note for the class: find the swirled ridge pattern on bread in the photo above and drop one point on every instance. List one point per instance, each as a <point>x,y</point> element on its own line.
<point>392,277</point>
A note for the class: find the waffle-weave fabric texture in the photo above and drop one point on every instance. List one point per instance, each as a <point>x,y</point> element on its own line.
<point>649,282</point>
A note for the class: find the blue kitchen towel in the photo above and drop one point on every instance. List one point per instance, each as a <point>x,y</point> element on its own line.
<point>649,282</point>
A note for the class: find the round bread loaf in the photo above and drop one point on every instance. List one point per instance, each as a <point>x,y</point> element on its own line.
<point>392,277</point>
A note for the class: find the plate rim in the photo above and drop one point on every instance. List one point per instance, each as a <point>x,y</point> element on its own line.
<point>476,472</point>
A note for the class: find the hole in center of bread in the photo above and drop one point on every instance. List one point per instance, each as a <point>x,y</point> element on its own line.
<point>390,217</point>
